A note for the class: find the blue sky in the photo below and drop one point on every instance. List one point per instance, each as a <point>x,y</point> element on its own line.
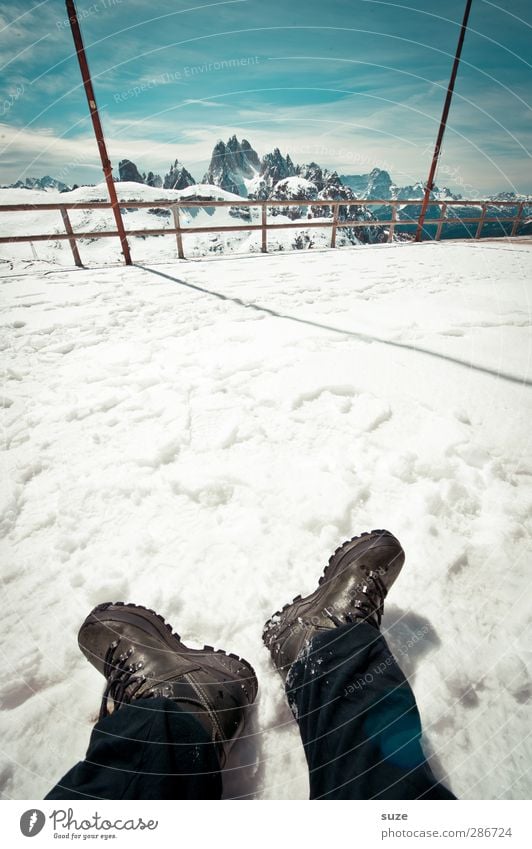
<point>352,84</point>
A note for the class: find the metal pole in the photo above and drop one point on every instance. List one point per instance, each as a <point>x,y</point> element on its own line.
<point>443,124</point>
<point>98,130</point>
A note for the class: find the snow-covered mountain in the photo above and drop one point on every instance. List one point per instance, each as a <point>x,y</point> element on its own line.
<point>236,167</point>
<point>417,191</point>
<point>178,177</point>
<point>297,188</point>
<point>144,248</point>
<point>236,171</point>
<point>232,165</point>
<point>378,185</point>
<point>43,184</point>
<point>274,167</point>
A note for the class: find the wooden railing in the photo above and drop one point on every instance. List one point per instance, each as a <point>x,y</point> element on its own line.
<point>334,222</point>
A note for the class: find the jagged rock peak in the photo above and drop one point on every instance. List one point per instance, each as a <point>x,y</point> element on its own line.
<point>274,167</point>
<point>232,164</point>
<point>39,183</point>
<point>379,183</point>
<point>321,177</point>
<point>129,173</point>
<point>373,186</point>
<point>154,180</point>
<point>178,177</point>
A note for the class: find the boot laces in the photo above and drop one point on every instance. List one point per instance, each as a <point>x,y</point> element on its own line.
<point>372,602</point>
<point>123,684</point>
<point>122,681</point>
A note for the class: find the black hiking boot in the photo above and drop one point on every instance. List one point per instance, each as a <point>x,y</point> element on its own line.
<point>353,587</point>
<point>141,657</point>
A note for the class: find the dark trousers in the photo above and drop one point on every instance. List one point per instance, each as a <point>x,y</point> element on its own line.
<point>357,716</point>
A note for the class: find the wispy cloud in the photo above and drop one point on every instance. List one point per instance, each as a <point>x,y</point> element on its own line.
<point>210,103</point>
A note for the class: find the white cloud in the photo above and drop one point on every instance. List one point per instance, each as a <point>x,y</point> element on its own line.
<point>190,101</point>
<point>330,135</point>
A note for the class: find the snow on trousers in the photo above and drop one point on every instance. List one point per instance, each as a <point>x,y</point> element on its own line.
<point>358,720</point>
<point>356,713</point>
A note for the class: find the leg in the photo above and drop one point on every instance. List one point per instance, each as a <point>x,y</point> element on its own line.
<point>358,719</point>
<point>356,712</point>
<point>146,750</point>
<point>169,713</point>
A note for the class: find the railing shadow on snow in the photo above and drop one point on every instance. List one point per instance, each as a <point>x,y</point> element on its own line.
<point>362,337</point>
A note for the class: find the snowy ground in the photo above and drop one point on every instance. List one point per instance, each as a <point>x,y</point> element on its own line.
<point>104,251</point>
<point>198,437</point>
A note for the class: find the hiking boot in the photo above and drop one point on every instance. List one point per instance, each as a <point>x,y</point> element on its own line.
<point>141,658</point>
<point>352,588</point>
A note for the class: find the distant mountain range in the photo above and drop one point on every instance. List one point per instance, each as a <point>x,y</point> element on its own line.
<point>236,167</point>
<point>40,184</point>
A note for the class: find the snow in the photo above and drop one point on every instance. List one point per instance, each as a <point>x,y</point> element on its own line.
<point>253,184</point>
<point>125,192</point>
<point>199,436</point>
<point>295,187</point>
<point>103,251</point>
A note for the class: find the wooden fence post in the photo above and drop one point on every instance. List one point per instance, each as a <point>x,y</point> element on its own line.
<point>391,231</point>
<point>517,219</point>
<point>480,224</point>
<point>72,240</point>
<point>443,214</point>
<point>336,208</point>
<point>179,237</point>
<point>264,247</point>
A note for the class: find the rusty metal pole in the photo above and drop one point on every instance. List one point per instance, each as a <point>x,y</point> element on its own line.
<point>443,124</point>
<point>96,123</point>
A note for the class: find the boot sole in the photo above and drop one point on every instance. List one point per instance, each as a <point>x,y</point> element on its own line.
<point>329,573</point>
<point>172,638</point>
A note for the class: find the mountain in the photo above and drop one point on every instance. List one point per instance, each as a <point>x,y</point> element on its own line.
<point>232,165</point>
<point>39,183</point>
<point>297,188</point>
<point>273,168</point>
<point>373,186</point>
<point>236,167</point>
<point>378,185</point>
<point>129,173</point>
<point>357,182</point>
<point>178,177</point>
<point>417,191</point>
<point>154,180</point>
<point>511,196</point>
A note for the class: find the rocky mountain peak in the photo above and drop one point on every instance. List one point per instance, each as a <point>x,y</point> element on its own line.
<point>129,173</point>
<point>379,183</point>
<point>154,180</point>
<point>321,177</point>
<point>39,183</point>
<point>178,177</point>
<point>274,167</point>
<point>231,164</point>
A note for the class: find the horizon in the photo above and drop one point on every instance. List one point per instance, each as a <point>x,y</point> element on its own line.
<point>356,86</point>
<point>199,181</point>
